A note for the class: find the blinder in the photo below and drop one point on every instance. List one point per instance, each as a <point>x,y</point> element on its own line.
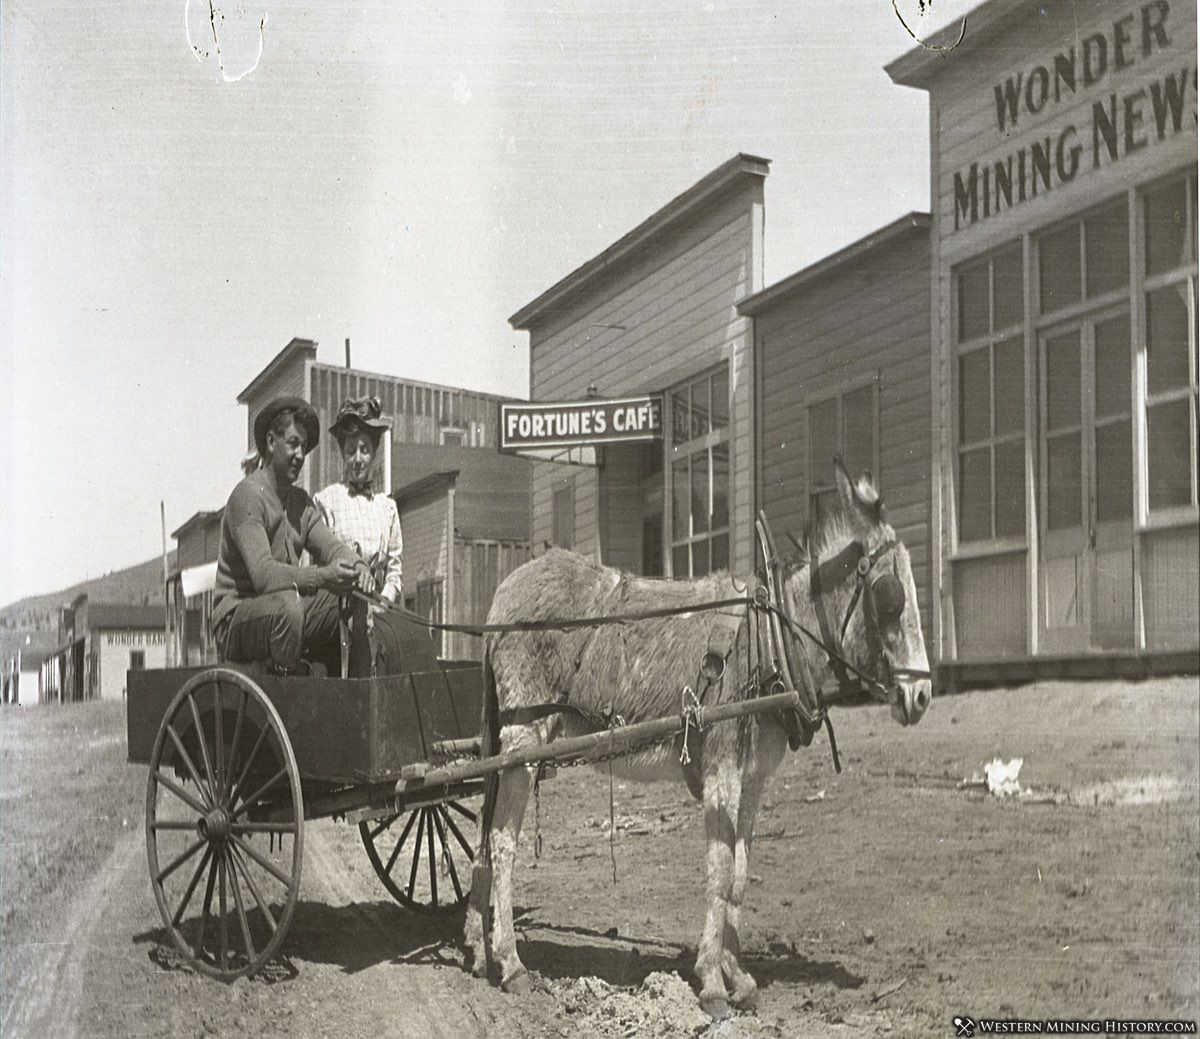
<point>887,599</point>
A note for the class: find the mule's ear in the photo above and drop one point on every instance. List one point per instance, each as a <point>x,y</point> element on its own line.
<point>859,495</point>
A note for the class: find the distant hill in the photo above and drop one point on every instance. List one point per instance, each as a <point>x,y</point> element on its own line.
<point>139,585</point>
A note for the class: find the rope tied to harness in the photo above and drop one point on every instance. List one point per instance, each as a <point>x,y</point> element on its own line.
<point>693,714</point>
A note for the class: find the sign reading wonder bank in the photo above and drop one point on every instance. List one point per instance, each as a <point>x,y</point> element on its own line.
<point>578,423</point>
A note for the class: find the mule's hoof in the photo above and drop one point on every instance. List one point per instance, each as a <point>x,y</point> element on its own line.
<point>518,985</point>
<point>477,965</point>
<point>745,997</point>
<point>716,1007</point>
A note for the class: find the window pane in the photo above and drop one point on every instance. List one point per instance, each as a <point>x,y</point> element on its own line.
<point>975,495</point>
<point>679,500</point>
<point>1010,489</point>
<point>1167,338</point>
<point>1114,471</point>
<point>822,424</point>
<point>858,417</point>
<point>700,565</point>
<point>1008,287</point>
<point>720,552</point>
<point>1062,380</point>
<point>720,398</point>
<point>1170,454</point>
<point>700,492</point>
<point>1058,257</point>
<point>1113,361</point>
<point>972,301</point>
<point>1063,506</point>
<point>679,562</point>
<point>1165,211</point>
<point>701,410</point>
<point>720,488</point>
<point>974,398</point>
<point>1009,362</point>
<point>563,516</point>
<point>1106,235</point>
<point>680,423</point>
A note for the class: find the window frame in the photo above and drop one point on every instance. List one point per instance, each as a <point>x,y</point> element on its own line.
<point>989,340</point>
<point>686,449</point>
<point>839,392</point>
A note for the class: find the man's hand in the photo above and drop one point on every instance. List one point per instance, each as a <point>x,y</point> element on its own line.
<point>338,577</point>
<point>365,582</point>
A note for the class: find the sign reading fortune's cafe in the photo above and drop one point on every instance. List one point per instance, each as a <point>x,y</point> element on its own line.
<point>586,423</point>
<point>1063,188</point>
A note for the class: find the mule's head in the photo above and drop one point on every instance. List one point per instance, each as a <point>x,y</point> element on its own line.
<point>859,574</point>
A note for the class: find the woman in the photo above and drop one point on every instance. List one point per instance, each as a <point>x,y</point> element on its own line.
<point>368,521</point>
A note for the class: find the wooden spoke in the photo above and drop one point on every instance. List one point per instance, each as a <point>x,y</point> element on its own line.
<point>438,812</point>
<point>385,825</point>
<point>188,764</point>
<point>159,776</point>
<point>179,860</point>
<point>241,908</point>
<point>233,746</point>
<point>224,927</point>
<point>458,835</point>
<point>463,810</point>
<point>400,843</point>
<point>258,899</point>
<point>208,897</point>
<point>265,863</point>
<point>282,773</point>
<point>416,859</point>
<point>219,732</point>
<point>173,824</point>
<point>200,738</point>
<point>187,895</point>
<point>240,784</point>
<point>429,814</point>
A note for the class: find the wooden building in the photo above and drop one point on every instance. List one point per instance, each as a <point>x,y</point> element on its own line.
<point>842,361</point>
<point>465,518</point>
<point>190,589</point>
<point>420,412</point>
<point>99,643</point>
<point>656,313</point>
<point>1064,350</point>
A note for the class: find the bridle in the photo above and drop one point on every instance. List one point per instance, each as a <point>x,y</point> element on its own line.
<point>885,596</point>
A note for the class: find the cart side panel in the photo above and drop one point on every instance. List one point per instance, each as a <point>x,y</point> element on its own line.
<point>466,686</point>
<point>150,693</point>
<point>328,721</point>
<point>396,740</point>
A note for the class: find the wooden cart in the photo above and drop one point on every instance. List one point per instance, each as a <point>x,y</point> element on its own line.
<point>239,761</point>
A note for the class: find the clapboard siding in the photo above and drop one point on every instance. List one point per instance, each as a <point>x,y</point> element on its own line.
<point>968,130</point>
<point>867,321</point>
<point>674,305</point>
<point>424,525</point>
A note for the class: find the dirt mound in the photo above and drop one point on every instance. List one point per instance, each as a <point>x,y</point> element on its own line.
<point>663,1005</point>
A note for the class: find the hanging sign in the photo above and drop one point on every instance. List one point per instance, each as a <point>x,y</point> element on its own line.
<point>580,423</point>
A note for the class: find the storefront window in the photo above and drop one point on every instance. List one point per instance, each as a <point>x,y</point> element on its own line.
<point>562,509</point>
<point>1169,214</point>
<point>699,474</point>
<point>1087,258</point>
<point>845,425</point>
<point>991,398</point>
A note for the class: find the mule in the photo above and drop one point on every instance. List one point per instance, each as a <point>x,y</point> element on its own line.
<point>543,685</point>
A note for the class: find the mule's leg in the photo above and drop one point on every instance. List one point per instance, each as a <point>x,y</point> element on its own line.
<point>743,988</point>
<point>477,925</point>
<point>512,796</point>
<point>722,792</point>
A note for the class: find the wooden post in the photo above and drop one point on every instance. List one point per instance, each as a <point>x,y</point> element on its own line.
<point>167,654</point>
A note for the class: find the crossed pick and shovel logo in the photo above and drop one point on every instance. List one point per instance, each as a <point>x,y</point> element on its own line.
<point>964,1026</point>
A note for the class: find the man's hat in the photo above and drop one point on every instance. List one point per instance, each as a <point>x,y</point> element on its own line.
<point>364,411</point>
<point>305,417</point>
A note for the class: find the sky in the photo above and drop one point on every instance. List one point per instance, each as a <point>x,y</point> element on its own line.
<point>185,189</point>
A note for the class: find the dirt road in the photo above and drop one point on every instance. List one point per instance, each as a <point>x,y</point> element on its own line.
<point>882,900</point>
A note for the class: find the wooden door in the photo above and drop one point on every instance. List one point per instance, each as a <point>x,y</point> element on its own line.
<point>1086,501</point>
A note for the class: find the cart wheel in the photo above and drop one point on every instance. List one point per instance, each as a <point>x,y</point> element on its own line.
<point>223,805</point>
<point>427,851</point>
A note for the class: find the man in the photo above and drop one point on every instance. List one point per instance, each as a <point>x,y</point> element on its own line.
<point>267,606</point>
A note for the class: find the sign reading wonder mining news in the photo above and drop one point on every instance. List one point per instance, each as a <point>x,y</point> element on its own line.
<point>580,423</point>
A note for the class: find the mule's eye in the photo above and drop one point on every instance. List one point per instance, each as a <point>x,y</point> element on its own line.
<point>888,594</point>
